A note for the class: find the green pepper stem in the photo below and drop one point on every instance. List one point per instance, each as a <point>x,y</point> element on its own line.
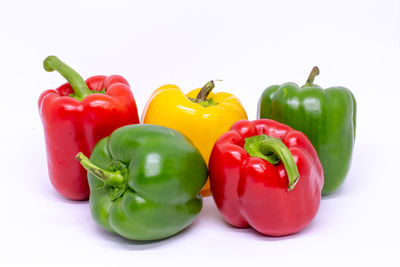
<point>204,92</point>
<point>112,178</point>
<point>314,72</point>
<point>81,90</point>
<point>277,147</point>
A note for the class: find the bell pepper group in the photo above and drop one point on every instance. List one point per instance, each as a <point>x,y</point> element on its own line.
<point>146,181</point>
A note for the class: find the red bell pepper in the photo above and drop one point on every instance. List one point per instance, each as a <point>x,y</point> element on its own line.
<point>75,117</point>
<point>266,175</point>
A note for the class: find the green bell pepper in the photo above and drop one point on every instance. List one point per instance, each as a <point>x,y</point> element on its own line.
<point>327,117</point>
<point>145,181</point>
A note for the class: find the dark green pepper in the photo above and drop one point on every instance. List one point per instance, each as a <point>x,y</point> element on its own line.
<point>327,117</point>
<point>145,181</point>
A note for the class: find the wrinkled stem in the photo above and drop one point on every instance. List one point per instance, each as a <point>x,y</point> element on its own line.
<point>314,72</point>
<point>204,92</point>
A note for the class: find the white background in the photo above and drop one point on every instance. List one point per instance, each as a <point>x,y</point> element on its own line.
<point>248,44</point>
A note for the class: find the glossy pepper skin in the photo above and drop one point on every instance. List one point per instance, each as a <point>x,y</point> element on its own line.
<point>275,199</point>
<point>75,117</point>
<point>200,115</point>
<point>145,182</point>
<point>327,117</point>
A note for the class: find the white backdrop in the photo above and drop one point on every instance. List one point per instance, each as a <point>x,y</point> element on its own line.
<point>248,44</point>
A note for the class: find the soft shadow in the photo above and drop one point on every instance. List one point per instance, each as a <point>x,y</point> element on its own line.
<point>210,212</point>
<point>60,198</point>
<point>355,182</point>
<point>267,238</point>
<point>305,231</point>
<point>338,193</point>
<point>139,245</point>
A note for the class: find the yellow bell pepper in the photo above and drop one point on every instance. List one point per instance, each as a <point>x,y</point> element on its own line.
<point>200,115</point>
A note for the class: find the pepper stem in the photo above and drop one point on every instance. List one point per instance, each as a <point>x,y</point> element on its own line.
<point>277,147</point>
<point>111,178</point>
<point>314,72</point>
<point>81,90</point>
<point>204,92</point>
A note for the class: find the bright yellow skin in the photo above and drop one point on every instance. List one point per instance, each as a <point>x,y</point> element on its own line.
<point>169,107</point>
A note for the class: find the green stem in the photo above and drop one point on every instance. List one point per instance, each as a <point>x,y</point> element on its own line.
<point>314,72</point>
<point>276,146</point>
<point>111,178</point>
<point>204,92</point>
<point>81,90</point>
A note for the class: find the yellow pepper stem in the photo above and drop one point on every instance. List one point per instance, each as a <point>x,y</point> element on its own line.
<point>204,92</point>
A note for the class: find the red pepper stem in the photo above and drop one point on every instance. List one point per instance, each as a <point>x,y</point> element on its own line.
<point>111,178</point>
<point>314,72</point>
<point>81,90</point>
<point>204,92</point>
<point>277,147</point>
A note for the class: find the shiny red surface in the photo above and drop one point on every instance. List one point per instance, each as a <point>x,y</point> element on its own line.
<point>71,126</point>
<point>249,191</point>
